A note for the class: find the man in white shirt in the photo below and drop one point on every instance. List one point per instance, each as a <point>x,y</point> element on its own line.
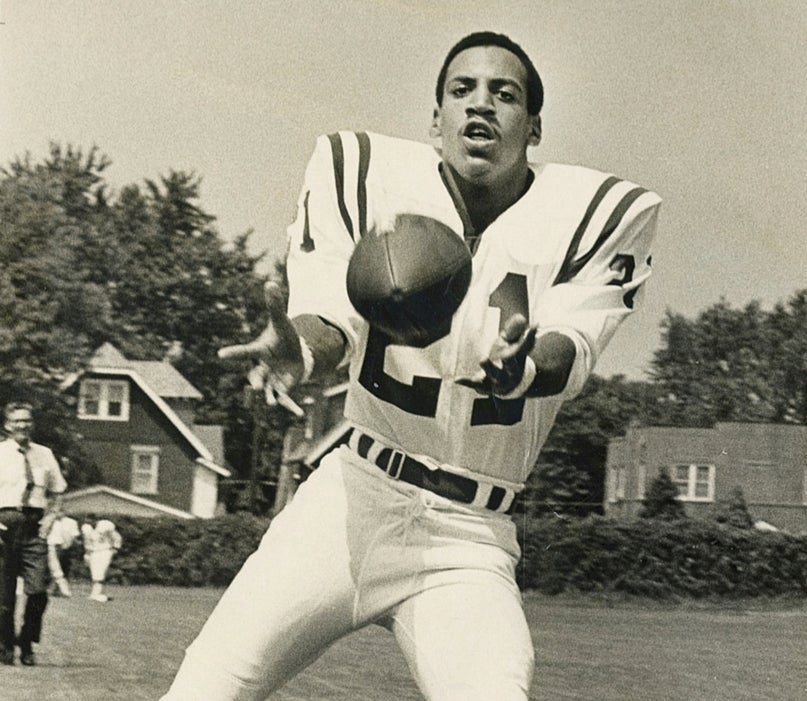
<point>29,477</point>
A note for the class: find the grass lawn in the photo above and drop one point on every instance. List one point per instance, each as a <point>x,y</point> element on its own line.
<point>586,649</point>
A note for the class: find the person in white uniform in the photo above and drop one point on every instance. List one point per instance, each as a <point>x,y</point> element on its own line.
<point>100,545</point>
<point>408,524</point>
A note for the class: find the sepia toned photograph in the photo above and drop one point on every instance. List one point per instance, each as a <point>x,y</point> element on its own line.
<point>386,350</point>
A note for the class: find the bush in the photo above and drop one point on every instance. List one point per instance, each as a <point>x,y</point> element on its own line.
<point>661,500</point>
<point>660,558</point>
<point>180,553</point>
<point>645,557</point>
<point>733,511</point>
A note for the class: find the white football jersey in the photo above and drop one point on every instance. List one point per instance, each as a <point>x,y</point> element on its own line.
<point>570,255</point>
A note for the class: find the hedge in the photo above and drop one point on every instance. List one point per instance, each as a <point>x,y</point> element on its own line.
<point>684,558</point>
<point>179,553</point>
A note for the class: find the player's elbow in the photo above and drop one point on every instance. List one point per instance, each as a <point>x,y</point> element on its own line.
<point>554,356</point>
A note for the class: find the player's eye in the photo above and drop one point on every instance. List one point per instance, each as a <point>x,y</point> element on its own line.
<point>459,90</point>
<point>506,96</point>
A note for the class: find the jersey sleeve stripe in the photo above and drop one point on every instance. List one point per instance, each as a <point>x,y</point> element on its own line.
<point>610,226</point>
<point>307,244</point>
<point>361,194</point>
<point>338,155</point>
<point>564,273</point>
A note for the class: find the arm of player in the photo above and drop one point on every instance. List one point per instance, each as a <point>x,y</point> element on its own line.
<point>288,351</point>
<point>519,364</point>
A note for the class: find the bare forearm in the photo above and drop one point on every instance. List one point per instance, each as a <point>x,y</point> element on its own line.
<point>553,356</point>
<point>327,343</point>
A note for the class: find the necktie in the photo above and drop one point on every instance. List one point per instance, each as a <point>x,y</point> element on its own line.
<point>29,477</point>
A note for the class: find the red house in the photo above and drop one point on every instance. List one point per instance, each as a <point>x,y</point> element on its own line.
<point>136,422</point>
<point>768,462</point>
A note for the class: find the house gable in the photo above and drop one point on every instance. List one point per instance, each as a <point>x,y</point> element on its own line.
<point>142,446</point>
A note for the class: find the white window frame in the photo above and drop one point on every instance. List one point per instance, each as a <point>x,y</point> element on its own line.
<point>137,474</point>
<point>641,469</point>
<point>691,482</point>
<point>104,391</point>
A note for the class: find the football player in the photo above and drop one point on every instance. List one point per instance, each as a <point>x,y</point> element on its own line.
<point>408,524</point>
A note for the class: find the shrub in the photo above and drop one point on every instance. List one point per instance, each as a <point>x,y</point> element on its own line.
<point>660,558</point>
<point>733,511</point>
<point>180,553</point>
<point>661,500</point>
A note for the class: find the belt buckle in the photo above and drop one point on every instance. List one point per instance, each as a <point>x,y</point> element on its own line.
<point>395,464</point>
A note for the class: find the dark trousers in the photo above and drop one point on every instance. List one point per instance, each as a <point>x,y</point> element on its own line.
<point>23,554</point>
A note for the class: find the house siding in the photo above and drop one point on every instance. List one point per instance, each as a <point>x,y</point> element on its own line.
<point>109,445</point>
<point>768,462</point>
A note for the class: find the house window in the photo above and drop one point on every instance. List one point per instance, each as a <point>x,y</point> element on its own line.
<point>616,483</point>
<point>104,399</point>
<point>641,474</point>
<point>695,482</point>
<point>145,469</point>
<point>621,475</point>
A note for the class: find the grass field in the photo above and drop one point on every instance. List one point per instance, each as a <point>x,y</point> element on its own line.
<point>586,649</point>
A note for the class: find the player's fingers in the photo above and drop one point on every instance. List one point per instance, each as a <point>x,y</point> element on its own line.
<point>256,377</point>
<point>496,373</point>
<point>527,342</point>
<point>253,349</point>
<point>478,382</point>
<point>288,403</point>
<point>514,328</point>
<point>269,394</point>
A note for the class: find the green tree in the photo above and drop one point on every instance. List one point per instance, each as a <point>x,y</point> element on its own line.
<point>734,364</point>
<point>733,510</point>
<point>144,269</point>
<point>661,500</point>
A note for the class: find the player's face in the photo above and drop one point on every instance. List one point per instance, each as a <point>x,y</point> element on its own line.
<point>19,424</point>
<point>483,122</point>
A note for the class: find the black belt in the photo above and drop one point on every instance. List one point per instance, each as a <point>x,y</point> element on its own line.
<point>401,466</point>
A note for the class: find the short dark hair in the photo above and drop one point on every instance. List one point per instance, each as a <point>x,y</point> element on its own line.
<point>11,407</point>
<point>535,88</point>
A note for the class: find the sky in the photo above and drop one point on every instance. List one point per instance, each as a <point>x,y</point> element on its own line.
<point>703,102</point>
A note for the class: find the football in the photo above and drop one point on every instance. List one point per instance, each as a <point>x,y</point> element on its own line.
<point>408,281</point>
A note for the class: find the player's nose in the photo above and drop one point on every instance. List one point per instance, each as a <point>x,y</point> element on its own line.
<point>481,101</point>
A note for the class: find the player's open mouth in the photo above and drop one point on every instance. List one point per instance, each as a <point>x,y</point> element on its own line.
<point>478,131</point>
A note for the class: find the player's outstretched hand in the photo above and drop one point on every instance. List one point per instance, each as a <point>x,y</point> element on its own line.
<point>276,354</point>
<point>503,371</point>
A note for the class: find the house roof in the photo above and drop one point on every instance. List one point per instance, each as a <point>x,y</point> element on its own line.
<point>160,375</point>
<point>213,437</point>
<point>211,455</point>
<point>100,496</point>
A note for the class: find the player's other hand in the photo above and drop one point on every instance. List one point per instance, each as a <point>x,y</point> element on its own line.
<point>276,354</point>
<point>503,371</point>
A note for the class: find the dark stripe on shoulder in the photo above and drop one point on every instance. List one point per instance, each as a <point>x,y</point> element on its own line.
<point>361,194</point>
<point>307,244</point>
<point>339,175</point>
<point>610,226</point>
<point>563,275</point>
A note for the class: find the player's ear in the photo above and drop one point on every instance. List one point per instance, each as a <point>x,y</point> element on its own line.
<point>435,131</point>
<point>535,130</point>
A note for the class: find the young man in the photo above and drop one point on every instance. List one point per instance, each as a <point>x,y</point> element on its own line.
<point>29,476</point>
<point>407,525</point>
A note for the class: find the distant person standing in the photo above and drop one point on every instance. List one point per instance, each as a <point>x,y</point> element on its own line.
<point>100,545</point>
<point>61,537</point>
<point>29,478</point>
